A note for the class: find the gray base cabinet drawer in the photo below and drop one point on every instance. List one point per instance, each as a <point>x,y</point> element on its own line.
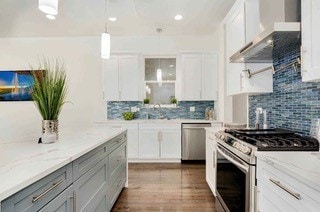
<point>116,186</point>
<point>91,187</point>
<point>116,159</point>
<point>116,142</point>
<point>62,203</point>
<point>86,162</point>
<point>37,195</point>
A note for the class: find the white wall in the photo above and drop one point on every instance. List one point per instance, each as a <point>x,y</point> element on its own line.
<point>83,64</point>
<point>82,60</point>
<point>164,44</point>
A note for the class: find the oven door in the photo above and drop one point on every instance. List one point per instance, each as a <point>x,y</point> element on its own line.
<point>233,181</point>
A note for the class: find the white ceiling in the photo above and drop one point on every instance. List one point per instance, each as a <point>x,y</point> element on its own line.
<point>22,18</point>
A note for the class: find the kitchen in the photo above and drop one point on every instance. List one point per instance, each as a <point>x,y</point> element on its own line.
<point>205,68</point>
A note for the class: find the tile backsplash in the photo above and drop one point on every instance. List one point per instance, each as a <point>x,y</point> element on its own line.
<point>293,103</point>
<point>182,111</point>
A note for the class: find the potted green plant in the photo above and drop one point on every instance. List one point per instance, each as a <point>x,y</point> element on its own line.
<point>146,102</point>
<point>173,101</point>
<point>49,94</point>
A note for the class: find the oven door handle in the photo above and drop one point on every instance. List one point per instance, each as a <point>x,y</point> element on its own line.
<point>238,164</point>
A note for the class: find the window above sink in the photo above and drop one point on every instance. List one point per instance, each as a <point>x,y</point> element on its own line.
<point>160,79</point>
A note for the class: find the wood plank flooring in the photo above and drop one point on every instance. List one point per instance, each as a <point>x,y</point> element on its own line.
<point>167,187</point>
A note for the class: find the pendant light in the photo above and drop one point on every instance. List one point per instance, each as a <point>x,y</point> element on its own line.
<point>159,71</point>
<point>105,38</point>
<point>50,7</point>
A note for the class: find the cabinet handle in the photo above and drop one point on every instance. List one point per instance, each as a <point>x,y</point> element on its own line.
<point>210,138</point>
<point>54,185</point>
<point>200,92</point>
<point>74,201</point>
<point>283,187</point>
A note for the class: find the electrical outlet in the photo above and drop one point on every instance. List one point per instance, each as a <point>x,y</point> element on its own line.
<point>134,109</point>
<point>259,109</point>
<point>192,109</point>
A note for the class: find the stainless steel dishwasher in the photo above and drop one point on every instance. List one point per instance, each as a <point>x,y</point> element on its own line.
<point>194,141</point>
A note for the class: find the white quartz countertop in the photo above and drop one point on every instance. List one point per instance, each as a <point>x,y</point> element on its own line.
<point>157,121</point>
<point>303,165</point>
<point>23,163</point>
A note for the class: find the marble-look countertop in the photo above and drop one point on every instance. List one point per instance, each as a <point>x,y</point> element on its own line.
<point>302,165</point>
<point>157,121</point>
<point>23,163</point>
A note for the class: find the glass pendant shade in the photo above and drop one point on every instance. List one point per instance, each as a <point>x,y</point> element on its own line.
<point>105,45</point>
<point>49,6</point>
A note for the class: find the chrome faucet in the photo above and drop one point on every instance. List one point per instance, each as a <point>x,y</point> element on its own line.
<point>160,111</point>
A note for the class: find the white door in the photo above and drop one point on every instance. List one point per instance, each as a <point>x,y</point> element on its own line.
<point>149,144</point>
<point>191,74</point>
<point>170,144</point>
<point>111,79</point>
<point>129,77</point>
<point>310,50</point>
<point>235,39</point>
<point>210,76</point>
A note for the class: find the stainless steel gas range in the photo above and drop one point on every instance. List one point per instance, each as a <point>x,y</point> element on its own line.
<point>236,165</point>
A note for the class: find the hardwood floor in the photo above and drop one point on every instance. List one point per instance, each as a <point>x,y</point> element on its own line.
<point>167,187</point>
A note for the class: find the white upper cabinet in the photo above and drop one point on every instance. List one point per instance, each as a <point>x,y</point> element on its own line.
<point>122,78</point>
<point>310,49</point>
<point>199,76</point>
<point>241,26</point>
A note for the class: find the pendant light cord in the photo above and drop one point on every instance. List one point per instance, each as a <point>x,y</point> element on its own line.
<point>106,15</point>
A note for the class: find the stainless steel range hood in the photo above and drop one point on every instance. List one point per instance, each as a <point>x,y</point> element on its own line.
<point>280,29</point>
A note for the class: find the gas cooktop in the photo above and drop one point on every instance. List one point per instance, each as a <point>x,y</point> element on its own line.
<point>274,139</point>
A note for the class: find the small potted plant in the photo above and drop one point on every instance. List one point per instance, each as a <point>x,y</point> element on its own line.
<point>49,93</point>
<point>173,101</point>
<point>146,102</point>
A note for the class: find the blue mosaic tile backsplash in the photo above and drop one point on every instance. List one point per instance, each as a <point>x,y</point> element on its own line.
<point>293,103</point>
<point>182,111</point>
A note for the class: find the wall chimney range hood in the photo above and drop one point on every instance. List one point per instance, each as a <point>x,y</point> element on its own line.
<point>280,29</point>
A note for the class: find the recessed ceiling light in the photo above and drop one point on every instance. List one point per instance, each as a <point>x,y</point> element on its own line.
<point>51,17</point>
<point>171,66</point>
<point>112,18</point>
<point>178,17</point>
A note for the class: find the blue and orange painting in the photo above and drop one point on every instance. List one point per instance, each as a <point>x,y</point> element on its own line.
<point>16,85</point>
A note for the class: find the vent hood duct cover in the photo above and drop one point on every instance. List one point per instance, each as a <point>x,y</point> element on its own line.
<point>274,39</point>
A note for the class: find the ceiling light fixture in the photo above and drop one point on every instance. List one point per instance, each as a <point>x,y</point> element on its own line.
<point>105,39</point>
<point>51,17</point>
<point>49,7</point>
<point>178,17</point>
<point>112,19</point>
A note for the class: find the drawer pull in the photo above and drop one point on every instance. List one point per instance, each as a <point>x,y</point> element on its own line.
<point>54,185</point>
<point>278,183</point>
<point>210,138</point>
<point>74,201</point>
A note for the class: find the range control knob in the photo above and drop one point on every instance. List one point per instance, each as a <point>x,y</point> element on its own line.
<point>246,150</point>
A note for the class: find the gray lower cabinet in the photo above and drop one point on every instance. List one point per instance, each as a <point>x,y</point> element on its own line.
<point>91,183</point>
<point>62,203</point>
<point>91,186</point>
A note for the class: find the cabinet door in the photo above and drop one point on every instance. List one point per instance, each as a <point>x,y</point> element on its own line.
<point>235,39</point>
<point>310,52</point>
<point>191,75</point>
<point>170,143</point>
<point>111,79</point>
<point>149,144</point>
<point>129,77</point>
<point>211,159</point>
<point>91,188</point>
<point>210,76</point>
<point>62,203</point>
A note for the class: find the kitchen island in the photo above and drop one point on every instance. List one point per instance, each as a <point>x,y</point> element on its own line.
<point>25,164</point>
